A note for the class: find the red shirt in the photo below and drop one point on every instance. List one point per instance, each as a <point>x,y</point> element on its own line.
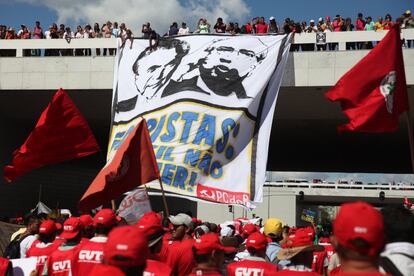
<point>318,260</point>
<point>4,265</point>
<point>180,257</point>
<point>339,273</point>
<point>42,253</point>
<point>88,256</point>
<point>60,263</point>
<point>294,273</point>
<point>156,268</point>
<point>203,271</point>
<point>102,269</point>
<point>329,249</point>
<point>261,28</point>
<point>250,268</point>
<point>248,28</point>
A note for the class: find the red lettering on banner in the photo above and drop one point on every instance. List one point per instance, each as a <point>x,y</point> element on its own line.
<point>222,196</point>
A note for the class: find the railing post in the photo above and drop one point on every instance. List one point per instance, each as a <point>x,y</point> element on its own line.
<point>19,52</point>
<point>342,46</point>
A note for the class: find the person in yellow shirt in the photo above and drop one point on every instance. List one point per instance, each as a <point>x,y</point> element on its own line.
<point>379,25</point>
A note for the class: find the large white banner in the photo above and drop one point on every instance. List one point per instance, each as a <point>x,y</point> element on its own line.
<point>209,102</point>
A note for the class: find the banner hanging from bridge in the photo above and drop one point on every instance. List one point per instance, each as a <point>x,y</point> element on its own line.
<point>208,101</point>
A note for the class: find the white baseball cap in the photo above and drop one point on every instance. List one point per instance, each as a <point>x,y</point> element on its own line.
<point>320,19</point>
<point>271,18</point>
<point>312,21</point>
<point>181,219</point>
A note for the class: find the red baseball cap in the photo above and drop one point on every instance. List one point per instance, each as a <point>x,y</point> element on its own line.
<point>249,229</point>
<point>359,220</point>
<point>47,227</point>
<point>256,240</point>
<point>150,224</point>
<point>71,228</point>
<point>209,242</point>
<point>297,242</point>
<point>86,220</point>
<point>301,237</point>
<point>150,218</point>
<point>126,246</point>
<point>106,217</point>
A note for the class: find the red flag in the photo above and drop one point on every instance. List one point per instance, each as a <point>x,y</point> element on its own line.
<point>61,133</point>
<point>133,164</point>
<point>373,93</point>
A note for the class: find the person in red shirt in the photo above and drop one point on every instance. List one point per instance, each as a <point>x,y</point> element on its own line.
<point>261,27</point>
<point>255,264</point>
<point>45,245</point>
<point>61,261</point>
<point>125,253</point>
<point>150,223</point>
<point>209,255</point>
<point>91,252</point>
<point>320,259</point>
<point>179,246</point>
<point>87,226</point>
<point>6,268</point>
<point>358,238</point>
<point>299,250</point>
<point>249,229</point>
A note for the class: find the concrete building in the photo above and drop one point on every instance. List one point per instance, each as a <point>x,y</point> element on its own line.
<point>304,136</point>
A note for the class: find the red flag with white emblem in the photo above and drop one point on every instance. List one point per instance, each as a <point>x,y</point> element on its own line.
<point>373,93</point>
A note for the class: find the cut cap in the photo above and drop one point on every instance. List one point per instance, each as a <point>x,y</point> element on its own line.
<point>47,227</point>
<point>256,240</point>
<point>86,221</point>
<point>105,217</point>
<point>359,220</point>
<point>209,242</point>
<point>126,246</point>
<point>71,228</point>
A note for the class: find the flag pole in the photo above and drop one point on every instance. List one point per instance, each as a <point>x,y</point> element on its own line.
<point>410,138</point>
<point>164,200</point>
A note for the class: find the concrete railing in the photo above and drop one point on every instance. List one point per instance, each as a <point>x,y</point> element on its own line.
<point>304,38</point>
<point>335,186</point>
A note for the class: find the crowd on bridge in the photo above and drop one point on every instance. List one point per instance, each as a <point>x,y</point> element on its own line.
<point>361,240</point>
<point>258,25</point>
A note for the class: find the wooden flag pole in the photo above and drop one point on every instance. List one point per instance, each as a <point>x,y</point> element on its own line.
<point>410,138</point>
<point>113,205</point>
<point>164,200</point>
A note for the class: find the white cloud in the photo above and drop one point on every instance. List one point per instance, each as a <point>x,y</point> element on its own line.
<point>161,13</point>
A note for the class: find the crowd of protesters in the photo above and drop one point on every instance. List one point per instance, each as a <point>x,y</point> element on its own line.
<point>257,25</point>
<point>361,241</point>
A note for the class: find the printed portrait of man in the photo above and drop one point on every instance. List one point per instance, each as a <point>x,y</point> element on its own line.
<point>218,68</point>
<point>221,69</point>
<point>154,67</point>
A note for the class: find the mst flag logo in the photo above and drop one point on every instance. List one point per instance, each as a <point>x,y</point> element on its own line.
<point>387,89</point>
<point>208,101</point>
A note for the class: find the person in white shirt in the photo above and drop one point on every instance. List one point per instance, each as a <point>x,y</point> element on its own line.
<point>29,236</point>
<point>397,258</point>
<point>184,30</point>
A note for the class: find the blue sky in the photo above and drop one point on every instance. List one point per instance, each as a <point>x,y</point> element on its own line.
<point>16,12</point>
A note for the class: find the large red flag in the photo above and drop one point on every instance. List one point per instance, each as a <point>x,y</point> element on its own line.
<point>373,93</point>
<point>133,164</point>
<point>61,133</point>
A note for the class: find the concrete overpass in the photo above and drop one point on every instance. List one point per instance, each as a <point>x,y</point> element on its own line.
<point>304,136</point>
